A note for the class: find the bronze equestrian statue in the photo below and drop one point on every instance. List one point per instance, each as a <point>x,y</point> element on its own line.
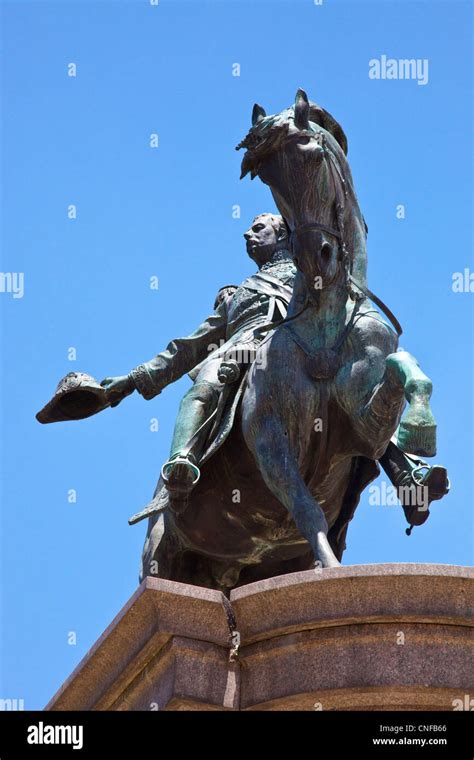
<point>298,390</point>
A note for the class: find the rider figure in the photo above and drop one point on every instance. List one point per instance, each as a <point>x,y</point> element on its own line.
<point>212,356</point>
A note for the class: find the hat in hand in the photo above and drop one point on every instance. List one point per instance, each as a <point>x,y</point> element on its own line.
<point>77,396</point>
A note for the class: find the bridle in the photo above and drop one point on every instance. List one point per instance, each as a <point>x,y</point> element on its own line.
<point>341,194</point>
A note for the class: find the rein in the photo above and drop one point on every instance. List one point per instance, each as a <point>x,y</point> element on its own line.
<point>339,232</point>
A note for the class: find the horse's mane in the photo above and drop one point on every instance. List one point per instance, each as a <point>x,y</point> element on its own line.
<point>356,227</point>
<point>323,118</point>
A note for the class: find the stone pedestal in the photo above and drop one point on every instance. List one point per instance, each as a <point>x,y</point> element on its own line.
<point>363,637</point>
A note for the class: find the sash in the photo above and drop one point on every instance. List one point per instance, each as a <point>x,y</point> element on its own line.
<point>268,285</point>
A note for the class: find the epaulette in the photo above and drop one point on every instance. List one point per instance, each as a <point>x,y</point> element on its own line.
<point>223,292</point>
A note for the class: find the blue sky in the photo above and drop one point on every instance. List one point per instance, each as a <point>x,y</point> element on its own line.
<point>167,212</point>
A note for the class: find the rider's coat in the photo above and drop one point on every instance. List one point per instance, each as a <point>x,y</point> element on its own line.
<point>239,311</point>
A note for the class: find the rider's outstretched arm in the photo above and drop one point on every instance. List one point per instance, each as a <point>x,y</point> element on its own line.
<point>182,354</point>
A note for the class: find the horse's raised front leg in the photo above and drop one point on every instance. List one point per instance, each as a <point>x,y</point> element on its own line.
<point>278,466</point>
<point>416,433</point>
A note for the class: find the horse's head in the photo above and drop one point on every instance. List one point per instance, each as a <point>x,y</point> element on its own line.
<point>300,154</point>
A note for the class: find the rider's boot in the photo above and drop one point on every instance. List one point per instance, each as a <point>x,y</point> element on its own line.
<point>181,472</point>
<point>417,483</point>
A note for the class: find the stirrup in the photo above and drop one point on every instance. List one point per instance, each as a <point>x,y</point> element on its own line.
<point>180,460</point>
<point>434,473</point>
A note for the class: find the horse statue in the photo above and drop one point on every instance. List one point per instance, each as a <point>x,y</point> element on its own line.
<point>322,399</point>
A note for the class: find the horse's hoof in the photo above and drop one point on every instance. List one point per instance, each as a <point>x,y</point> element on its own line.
<point>323,554</point>
<point>320,565</point>
<point>417,430</point>
<point>417,439</point>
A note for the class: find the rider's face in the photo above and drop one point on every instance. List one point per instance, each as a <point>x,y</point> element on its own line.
<point>260,237</point>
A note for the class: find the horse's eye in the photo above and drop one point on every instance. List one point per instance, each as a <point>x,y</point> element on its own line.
<point>326,251</point>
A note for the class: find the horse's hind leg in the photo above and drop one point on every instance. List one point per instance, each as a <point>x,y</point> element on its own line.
<point>164,555</point>
<point>279,469</point>
<point>161,549</point>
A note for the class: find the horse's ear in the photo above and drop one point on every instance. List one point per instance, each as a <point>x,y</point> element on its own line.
<point>258,114</point>
<point>301,110</point>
